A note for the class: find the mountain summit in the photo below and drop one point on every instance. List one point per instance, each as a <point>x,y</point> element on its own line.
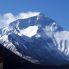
<point>37,38</point>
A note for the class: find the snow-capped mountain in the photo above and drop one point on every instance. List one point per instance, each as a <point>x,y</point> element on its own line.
<point>38,39</point>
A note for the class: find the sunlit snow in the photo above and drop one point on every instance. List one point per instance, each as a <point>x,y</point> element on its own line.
<point>29,31</point>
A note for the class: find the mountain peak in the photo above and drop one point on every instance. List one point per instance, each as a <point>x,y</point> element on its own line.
<point>34,36</point>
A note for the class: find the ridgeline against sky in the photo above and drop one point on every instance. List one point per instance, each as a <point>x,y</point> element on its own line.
<point>56,9</point>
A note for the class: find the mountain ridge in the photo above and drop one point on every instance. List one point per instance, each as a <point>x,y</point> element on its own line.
<point>37,39</point>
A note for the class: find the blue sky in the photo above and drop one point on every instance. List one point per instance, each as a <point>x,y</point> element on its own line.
<point>56,9</point>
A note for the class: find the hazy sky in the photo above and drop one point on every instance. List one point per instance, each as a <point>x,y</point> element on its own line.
<point>56,9</point>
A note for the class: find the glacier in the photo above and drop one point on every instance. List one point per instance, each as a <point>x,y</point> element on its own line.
<point>36,38</point>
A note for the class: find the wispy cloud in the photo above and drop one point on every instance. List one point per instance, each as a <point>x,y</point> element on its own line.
<point>7,18</point>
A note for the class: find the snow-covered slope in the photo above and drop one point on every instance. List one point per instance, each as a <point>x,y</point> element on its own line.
<point>38,39</point>
<point>62,39</point>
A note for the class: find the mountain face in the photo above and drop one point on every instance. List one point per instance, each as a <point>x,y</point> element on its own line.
<point>37,39</point>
